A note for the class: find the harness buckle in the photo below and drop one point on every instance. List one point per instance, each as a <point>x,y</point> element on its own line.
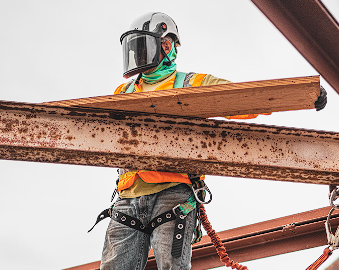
<point>181,215</point>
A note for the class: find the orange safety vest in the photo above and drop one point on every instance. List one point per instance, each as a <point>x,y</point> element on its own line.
<point>127,179</point>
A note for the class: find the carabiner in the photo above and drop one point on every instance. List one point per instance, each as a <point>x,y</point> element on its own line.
<point>332,239</point>
<point>204,188</point>
<point>334,195</point>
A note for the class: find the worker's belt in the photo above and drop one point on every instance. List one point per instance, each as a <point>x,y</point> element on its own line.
<point>178,213</point>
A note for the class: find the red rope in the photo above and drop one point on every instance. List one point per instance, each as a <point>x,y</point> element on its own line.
<point>215,239</point>
<point>326,253</point>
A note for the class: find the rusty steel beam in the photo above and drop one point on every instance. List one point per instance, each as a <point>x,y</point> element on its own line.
<point>311,29</point>
<point>278,236</point>
<point>110,138</point>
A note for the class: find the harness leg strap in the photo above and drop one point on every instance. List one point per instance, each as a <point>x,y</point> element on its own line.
<point>178,213</point>
<point>179,233</point>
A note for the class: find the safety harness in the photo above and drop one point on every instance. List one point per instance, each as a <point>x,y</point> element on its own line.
<point>178,213</point>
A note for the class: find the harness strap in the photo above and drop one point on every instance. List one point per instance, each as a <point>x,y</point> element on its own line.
<point>136,224</point>
<point>200,194</point>
<point>104,214</point>
<point>179,79</point>
<point>129,87</point>
<point>126,89</point>
<point>181,210</point>
<point>179,233</point>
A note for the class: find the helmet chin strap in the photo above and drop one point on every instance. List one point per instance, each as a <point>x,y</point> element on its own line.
<point>137,81</point>
<point>169,62</point>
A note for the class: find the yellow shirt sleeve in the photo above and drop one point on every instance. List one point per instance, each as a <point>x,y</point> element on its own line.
<point>211,80</point>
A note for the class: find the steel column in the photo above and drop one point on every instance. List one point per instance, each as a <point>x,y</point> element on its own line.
<point>158,142</point>
<point>311,29</point>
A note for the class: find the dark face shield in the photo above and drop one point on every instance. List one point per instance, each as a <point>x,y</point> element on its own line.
<point>141,52</point>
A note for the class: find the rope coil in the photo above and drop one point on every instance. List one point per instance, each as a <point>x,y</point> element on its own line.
<point>215,239</point>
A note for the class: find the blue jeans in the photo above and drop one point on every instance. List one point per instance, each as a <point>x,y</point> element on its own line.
<point>127,249</point>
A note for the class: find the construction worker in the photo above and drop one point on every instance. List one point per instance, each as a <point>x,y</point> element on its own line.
<point>154,209</point>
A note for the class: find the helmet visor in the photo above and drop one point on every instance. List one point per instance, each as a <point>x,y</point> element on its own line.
<point>141,52</point>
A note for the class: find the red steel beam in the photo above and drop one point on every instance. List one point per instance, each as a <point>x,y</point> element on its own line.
<point>311,29</point>
<point>278,236</point>
<point>98,137</point>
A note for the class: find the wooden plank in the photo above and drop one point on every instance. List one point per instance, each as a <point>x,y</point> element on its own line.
<point>215,100</point>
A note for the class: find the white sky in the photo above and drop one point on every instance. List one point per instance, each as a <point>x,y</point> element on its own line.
<point>55,50</point>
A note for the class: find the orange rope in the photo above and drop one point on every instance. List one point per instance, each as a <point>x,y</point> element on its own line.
<point>217,242</point>
<point>327,253</point>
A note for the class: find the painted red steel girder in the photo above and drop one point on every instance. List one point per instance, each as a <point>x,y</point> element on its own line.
<point>99,137</point>
<point>311,29</point>
<point>260,240</point>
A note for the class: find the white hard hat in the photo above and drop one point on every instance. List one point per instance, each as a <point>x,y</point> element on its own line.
<point>142,45</point>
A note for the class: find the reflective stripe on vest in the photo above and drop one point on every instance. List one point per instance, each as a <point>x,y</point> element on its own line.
<point>181,80</point>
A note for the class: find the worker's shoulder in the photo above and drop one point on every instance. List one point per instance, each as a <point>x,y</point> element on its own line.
<point>212,80</point>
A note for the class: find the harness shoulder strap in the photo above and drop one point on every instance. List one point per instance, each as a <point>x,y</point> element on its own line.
<point>129,87</point>
<point>179,80</point>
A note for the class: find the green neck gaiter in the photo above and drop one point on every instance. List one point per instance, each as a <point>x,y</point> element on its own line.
<point>162,71</point>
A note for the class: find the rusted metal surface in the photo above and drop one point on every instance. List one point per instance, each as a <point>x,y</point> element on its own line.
<point>214,100</point>
<point>278,236</point>
<point>88,266</point>
<point>157,142</point>
<point>311,29</point>
<point>333,266</point>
